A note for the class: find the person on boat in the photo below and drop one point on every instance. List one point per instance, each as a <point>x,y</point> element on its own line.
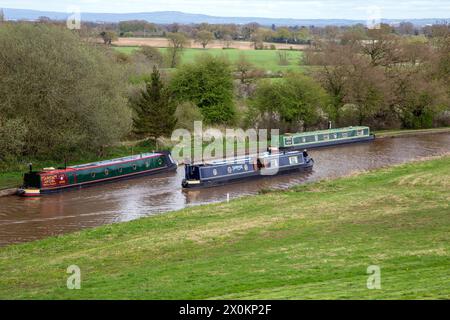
<point>305,153</point>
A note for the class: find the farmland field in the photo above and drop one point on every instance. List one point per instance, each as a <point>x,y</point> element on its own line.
<point>262,59</point>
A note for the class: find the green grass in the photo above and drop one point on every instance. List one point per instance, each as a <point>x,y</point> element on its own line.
<point>403,132</point>
<point>263,59</point>
<point>311,242</point>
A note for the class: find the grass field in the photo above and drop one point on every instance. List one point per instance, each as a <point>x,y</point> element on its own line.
<point>263,59</point>
<point>312,242</point>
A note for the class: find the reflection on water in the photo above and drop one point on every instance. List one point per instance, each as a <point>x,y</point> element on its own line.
<point>23,219</point>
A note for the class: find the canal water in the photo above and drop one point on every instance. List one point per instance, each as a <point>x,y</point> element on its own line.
<point>23,219</point>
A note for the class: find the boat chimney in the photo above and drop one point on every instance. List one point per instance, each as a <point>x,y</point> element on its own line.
<point>30,165</point>
<point>330,125</point>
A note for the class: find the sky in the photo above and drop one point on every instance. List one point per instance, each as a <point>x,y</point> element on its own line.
<point>299,9</point>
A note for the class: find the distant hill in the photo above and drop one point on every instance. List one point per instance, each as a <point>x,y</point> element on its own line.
<point>167,17</point>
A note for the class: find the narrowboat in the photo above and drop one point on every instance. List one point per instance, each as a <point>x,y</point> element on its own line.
<point>323,138</point>
<point>49,180</point>
<point>220,172</point>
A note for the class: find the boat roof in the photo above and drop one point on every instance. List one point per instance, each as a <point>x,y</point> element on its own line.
<point>245,159</point>
<point>325,131</point>
<point>115,161</point>
<point>102,163</point>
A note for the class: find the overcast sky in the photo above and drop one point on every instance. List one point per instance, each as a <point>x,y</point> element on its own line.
<point>301,9</point>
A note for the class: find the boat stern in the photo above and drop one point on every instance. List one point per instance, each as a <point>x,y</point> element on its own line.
<point>187,184</point>
<point>26,192</point>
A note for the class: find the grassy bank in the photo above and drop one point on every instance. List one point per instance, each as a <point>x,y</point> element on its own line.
<point>402,132</point>
<point>262,59</point>
<point>315,241</point>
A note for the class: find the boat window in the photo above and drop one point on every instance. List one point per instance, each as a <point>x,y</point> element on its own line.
<point>120,170</point>
<point>293,160</point>
<point>288,141</point>
<point>134,167</point>
<point>274,163</point>
<point>229,170</point>
<point>215,172</point>
<point>326,137</point>
<point>246,167</point>
<point>106,172</point>
<point>93,174</point>
<point>147,164</point>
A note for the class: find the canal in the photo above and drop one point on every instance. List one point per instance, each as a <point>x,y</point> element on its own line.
<point>23,219</point>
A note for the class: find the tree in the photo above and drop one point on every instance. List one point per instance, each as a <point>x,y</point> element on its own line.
<point>257,38</point>
<point>177,42</point>
<point>228,39</point>
<point>364,88</point>
<point>283,34</point>
<point>68,103</point>
<point>152,54</point>
<point>382,47</point>
<point>204,37</point>
<point>292,103</point>
<point>208,83</point>
<point>108,37</point>
<point>155,114</point>
<point>243,66</point>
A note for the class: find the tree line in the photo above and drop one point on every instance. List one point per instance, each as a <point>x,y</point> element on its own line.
<point>63,95</point>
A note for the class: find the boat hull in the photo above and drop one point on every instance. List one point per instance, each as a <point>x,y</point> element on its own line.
<point>207,183</point>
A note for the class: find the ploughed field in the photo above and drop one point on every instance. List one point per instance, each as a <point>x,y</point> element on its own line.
<point>262,59</point>
<point>215,44</point>
<point>312,241</point>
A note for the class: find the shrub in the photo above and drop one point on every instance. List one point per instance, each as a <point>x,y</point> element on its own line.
<point>208,83</point>
<point>187,113</point>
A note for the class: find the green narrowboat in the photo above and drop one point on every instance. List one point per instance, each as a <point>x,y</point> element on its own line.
<point>49,180</point>
<point>324,138</point>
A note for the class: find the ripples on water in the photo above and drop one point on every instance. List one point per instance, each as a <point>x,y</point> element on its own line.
<point>23,219</point>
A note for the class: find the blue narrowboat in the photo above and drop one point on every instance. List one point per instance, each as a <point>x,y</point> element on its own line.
<point>242,168</point>
<point>324,138</point>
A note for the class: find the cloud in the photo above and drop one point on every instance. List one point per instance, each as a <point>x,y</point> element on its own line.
<point>307,9</point>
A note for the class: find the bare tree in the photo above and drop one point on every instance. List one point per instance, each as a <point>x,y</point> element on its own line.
<point>177,41</point>
<point>204,37</point>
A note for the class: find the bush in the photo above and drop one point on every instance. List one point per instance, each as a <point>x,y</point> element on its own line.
<point>292,103</point>
<point>12,138</point>
<point>152,54</point>
<point>208,83</point>
<point>187,113</point>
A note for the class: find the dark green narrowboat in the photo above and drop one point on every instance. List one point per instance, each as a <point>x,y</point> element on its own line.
<point>51,180</point>
<point>324,138</point>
